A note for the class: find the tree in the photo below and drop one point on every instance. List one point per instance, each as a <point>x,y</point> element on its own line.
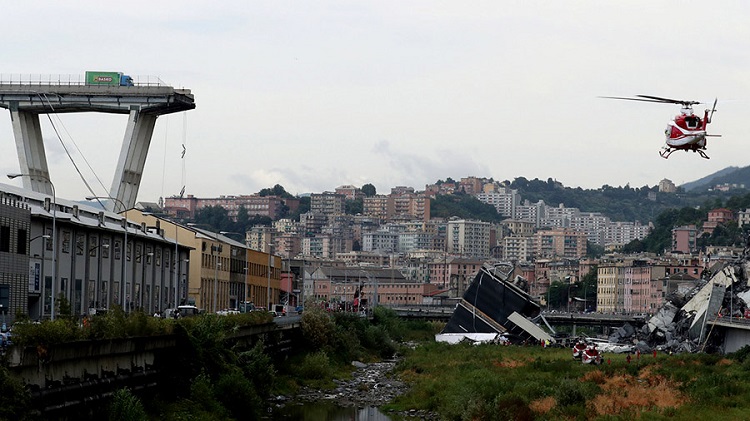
<point>277,190</point>
<point>594,250</point>
<point>587,288</point>
<point>369,190</point>
<point>215,217</point>
<point>353,207</point>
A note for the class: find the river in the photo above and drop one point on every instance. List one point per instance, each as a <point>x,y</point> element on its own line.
<point>325,411</point>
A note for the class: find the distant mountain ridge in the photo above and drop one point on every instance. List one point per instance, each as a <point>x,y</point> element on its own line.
<point>729,175</point>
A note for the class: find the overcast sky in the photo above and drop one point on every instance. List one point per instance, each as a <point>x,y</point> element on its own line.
<point>313,95</point>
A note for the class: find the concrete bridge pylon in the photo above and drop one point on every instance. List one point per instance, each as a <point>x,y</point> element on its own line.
<point>143,103</point>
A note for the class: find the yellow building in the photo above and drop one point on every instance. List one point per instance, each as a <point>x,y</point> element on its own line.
<point>223,272</point>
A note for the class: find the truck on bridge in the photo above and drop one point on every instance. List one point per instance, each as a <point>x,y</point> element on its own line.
<point>108,79</point>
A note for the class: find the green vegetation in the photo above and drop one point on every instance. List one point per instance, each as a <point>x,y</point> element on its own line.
<point>211,378</point>
<point>490,382</point>
<point>463,206</point>
<point>116,324</point>
<point>126,407</point>
<point>334,340</point>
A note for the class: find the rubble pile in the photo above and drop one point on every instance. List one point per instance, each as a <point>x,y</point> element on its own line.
<point>681,324</point>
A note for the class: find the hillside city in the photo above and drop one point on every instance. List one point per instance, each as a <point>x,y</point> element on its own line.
<point>354,246</point>
<point>550,245</point>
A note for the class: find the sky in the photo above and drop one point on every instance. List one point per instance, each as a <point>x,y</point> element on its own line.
<point>314,95</point>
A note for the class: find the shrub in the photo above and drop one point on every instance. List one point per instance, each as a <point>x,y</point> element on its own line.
<point>202,394</point>
<point>315,366</point>
<point>126,407</point>
<point>46,333</point>
<point>317,327</point>
<point>238,395</point>
<point>257,367</point>
<point>14,399</point>
<point>377,339</point>
<point>741,354</point>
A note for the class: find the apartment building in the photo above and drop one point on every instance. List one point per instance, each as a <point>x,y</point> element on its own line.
<point>349,192</point>
<point>610,287</point>
<point>518,249</point>
<point>743,217</point>
<point>328,203</point>
<point>255,205</point>
<point>381,241</point>
<point>684,239</point>
<point>408,206</point>
<point>376,207</point>
<point>20,282</point>
<point>534,212</point>
<point>468,238</point>
<point>561,242</point>
<point>504,200</point>
<point>716,217</point>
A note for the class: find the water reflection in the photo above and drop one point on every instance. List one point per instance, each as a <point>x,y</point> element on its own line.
<point>326,411</point>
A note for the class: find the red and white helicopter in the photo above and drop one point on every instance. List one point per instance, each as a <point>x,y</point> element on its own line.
<point>686,132</point>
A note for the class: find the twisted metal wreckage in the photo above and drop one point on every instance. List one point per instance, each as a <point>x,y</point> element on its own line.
<point>709,317</point>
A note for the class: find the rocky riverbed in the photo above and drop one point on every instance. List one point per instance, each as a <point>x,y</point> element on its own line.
<point>370,385</point>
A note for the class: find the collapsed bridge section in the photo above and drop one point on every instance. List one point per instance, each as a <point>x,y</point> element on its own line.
<point>495,304</point>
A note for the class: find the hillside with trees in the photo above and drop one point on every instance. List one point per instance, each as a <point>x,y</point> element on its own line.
<point>626,203</point>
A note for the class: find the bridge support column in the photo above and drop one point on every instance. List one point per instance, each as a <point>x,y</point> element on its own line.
<point>127,178</point>
<point>30,147</point>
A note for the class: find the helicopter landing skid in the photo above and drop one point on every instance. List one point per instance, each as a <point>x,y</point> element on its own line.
<point>665,152</point>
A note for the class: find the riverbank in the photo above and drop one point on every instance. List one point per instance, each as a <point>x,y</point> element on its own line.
<point>488,382</point>
<point>370,385</point>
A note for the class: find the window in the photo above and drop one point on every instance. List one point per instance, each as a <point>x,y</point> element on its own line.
<point>80,243</point>
<point>105,248</point>
<point>5,239</point>
<point>21,241</point>
<point>48,240</point>
<point>66,242</point>
<point>4,298</point>
<point>93,246</point>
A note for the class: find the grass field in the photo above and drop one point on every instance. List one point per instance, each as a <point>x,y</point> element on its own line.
<point>491,382</point>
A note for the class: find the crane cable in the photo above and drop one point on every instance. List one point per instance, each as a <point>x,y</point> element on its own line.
<point>67,152</point>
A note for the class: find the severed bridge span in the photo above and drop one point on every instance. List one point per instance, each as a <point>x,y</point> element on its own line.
<point>143,102</point>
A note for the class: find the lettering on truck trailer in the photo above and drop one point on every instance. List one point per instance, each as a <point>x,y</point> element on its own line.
<point>107,79</point>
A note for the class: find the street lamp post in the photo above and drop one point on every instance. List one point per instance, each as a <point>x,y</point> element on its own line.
<point>124,255</point>
<point>45,236</point>
<point>142,290</point>
<point>54,237</point>
<point>96,291</point>
<point>216,282</point>
<point>268,289</point>
<point>176,260</point>
<point>570,285</point>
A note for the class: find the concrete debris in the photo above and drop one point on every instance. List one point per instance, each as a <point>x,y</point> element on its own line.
<point>686,322</point>
<point>496,303</point>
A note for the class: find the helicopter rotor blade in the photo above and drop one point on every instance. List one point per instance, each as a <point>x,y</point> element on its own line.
<point>669,100</point>
<point>632,99</point>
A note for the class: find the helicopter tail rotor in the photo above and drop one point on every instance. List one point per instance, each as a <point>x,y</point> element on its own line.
<point>713,109</point>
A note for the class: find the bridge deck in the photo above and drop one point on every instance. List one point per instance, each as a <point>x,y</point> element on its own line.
<point>42,99</point>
